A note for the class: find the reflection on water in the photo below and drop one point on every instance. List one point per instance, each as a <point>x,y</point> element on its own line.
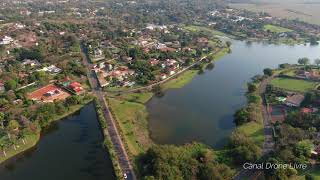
<point>203,109</point>
<point>68,149</point>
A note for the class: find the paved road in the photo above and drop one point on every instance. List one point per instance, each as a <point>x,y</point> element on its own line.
<point>268,144</point>
<point>112,130</point>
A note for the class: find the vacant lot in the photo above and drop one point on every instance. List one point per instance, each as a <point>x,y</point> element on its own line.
<point>276,29</point>
<point>308,12</point>
<point>293,84</point>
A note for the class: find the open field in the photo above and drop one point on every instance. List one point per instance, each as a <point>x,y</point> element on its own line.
<point>293,84</point>
<point>308,12</point>
<point>254,130</point>
<point>276,29</point>
<point>206,30</point>
<point>132,119</point>
<point>181,80</point>
<point>133,97</point>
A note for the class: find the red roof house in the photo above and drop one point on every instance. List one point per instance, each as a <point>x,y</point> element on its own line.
<point>76,87</point>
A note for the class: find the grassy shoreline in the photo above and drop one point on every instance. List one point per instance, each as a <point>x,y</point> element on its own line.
<point>33,139</point>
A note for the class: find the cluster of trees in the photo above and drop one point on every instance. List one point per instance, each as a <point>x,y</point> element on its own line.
<point>17,125</point>
<point>14,132</point>
<point>47,112</point>
<point>243,149</point>
<point>252,111</point>
<point>23,53</point>
<point>194,161</point>
<point>144,71</point>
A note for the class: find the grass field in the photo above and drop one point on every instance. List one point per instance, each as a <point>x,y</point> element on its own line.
<point>209,31</point>
<point>254,130</point>
<point>133,97</point>
<point>293,84</point>
<point>308,12</point>
<point>180,81</point>
<point>132,119</point>
<point>276,29</point>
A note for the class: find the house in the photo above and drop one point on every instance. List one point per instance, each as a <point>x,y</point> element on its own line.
<point>6,40</point>
<point>49,93</point>
<point>172,71</point>
<point>171,62</point>
<point>294,100</point>
<point>313,74</point>
<point>154,62</point>
<point>163,76</point>
<point>51,69</point>
<point>76,87</point>
<point>98,53</point>
<point>25,12</point>
<point>308,110</point>
<point>281,99</point>
<point>31,63</point>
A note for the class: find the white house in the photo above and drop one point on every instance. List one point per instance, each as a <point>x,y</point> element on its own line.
<point>6,40</point>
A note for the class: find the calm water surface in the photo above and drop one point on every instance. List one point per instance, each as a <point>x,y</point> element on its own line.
<point>203,109</point>
<point>71,149</point>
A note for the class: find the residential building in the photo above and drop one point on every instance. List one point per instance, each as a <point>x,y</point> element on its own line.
<point>294,100</point>
<point>6,40</point>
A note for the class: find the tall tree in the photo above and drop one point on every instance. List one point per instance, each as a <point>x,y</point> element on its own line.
<point>317,61</point>
<point>2,119</point>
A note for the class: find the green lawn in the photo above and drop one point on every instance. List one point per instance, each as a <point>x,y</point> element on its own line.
<point>132,119</point>
<point>254,131</point>
<point>209,31</point>
<point>181,80</point>
<point>293,84</point>
<point>142,97</point>
<point>276,29</point>
<point>31,140</point>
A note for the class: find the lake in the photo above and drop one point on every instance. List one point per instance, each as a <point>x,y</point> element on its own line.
<point>69,149</point>
<point>203,109</point>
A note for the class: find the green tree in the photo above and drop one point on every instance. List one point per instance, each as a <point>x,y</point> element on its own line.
<point>252,87</point>
<point>13,125</point>
<point>228,43</point>
<point>267,72</point>
<point>2,119</point>
<point>10,84</point>
<point>241,116</point>
<point>317,61</point>
<point>303,61</point>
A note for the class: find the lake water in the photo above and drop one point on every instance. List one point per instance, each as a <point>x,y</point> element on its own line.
<point>70,149</point>
<point>203,110</point>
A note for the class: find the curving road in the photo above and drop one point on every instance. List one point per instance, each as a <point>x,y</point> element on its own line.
<point>112,130</point>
